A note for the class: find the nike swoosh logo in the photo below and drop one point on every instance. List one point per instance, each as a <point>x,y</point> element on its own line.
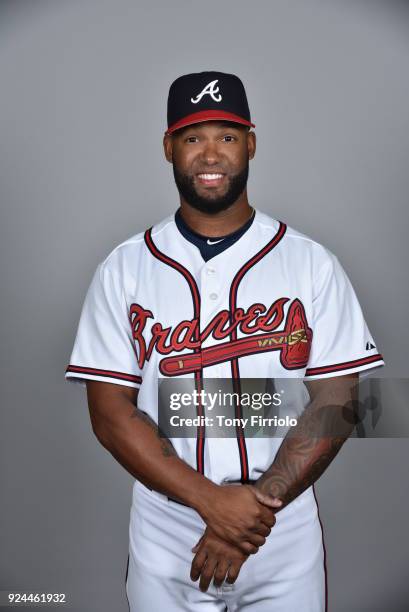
<point>214,241</point>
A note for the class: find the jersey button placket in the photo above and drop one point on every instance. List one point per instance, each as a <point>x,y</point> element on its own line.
<point>210,291</point>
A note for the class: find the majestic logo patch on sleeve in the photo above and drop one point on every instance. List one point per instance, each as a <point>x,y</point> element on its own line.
<point>257,322</point>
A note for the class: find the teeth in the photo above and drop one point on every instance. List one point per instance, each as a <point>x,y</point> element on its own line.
<point>210,177</point>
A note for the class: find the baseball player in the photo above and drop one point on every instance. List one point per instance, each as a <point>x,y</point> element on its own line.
<point>219,290</point>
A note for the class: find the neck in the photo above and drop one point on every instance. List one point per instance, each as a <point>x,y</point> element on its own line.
<point>220,224</point>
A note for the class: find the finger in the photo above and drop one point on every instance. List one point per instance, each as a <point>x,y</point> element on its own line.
<point>207,573</point>
<point>268,517</point>
<point>248,548</point>
<point>267,500</point>
<point>257,539</point>
<point>221,571</point>
<point>234,571</point>
<point>196,546</point>
<point>197,564</point>
<point>263,530</point>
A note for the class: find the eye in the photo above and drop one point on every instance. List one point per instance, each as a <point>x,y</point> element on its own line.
<point>191,139</point>
<point>229,138</point>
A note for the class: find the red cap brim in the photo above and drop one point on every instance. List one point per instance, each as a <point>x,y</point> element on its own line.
<point>209,115</point>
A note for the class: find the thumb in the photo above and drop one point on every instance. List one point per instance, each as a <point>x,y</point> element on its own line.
<point>268,500</point>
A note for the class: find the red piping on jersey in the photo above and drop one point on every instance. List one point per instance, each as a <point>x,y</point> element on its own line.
<point>200,442</point>
<point>233,336</point>
<point>107,373</point>
<point>325,550</point>
<point>345,365</point>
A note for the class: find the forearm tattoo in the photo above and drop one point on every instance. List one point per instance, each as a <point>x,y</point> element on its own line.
<point>166,446</point>
<point>305,452</point>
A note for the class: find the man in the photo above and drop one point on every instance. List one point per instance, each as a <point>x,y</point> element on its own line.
<point>220,290</point>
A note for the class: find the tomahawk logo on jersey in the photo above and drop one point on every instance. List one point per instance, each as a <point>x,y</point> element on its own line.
<point>275,304</point>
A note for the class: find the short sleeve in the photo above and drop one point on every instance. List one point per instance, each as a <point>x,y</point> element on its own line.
<point>341,342</point>
<point>104,349</point>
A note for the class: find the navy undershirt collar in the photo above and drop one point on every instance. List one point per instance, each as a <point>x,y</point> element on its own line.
<point>209,246</point>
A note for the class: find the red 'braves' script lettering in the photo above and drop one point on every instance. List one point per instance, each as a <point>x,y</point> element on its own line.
<point>184,335</point>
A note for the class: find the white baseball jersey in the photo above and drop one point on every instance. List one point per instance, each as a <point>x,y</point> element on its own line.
<point>275,304</point>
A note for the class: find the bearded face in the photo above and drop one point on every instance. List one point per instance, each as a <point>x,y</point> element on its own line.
<point>211,164</point>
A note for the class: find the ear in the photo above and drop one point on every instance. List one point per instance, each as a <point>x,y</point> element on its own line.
<point>168,147</point>
<point>251,144</point>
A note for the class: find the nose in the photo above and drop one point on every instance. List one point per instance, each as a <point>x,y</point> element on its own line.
<point>210,153</point>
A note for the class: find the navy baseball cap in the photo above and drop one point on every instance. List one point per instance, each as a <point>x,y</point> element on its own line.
<point>206,96</point>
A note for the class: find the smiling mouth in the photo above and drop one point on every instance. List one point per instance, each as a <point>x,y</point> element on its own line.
<point>210,178</point>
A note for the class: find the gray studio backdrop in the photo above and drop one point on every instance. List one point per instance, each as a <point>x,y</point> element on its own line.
<point>83,88</point>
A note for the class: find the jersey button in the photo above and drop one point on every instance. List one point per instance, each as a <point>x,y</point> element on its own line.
<point>210,270</point>
<point>213,296</point>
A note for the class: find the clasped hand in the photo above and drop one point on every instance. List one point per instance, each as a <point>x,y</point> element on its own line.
<point>239,519</point>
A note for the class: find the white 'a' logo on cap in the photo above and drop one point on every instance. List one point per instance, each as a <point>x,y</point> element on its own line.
<point>210,90</point>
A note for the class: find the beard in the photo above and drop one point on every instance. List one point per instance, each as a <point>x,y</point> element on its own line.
<point>211,205</point>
